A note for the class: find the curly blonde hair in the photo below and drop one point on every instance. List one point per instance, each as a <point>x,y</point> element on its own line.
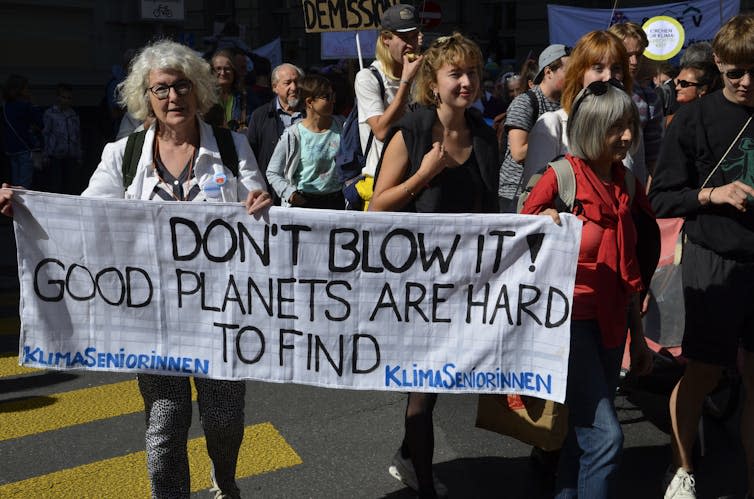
<point>454,49</point>
<point>166,55</point>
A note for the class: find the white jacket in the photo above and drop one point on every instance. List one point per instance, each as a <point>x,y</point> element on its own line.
<point>107,179</point>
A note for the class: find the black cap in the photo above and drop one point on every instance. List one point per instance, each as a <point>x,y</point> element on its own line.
<point>400,18</point>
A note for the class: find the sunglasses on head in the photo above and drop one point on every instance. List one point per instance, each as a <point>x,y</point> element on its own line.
<point>596,88</point>
<point>737,74</point>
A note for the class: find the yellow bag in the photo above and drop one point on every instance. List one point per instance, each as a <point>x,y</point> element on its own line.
<point>542,423</point>
<point>365,188</point>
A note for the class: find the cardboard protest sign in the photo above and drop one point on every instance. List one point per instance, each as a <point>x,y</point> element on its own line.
<point>343,15</point>
<point>376,301</point>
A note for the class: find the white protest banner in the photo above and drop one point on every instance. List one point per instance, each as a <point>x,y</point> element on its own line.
<point>374,301</point>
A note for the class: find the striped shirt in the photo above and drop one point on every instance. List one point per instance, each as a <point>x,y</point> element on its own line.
<point>521,115</point>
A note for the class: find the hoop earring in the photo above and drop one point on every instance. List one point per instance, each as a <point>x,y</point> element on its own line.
<point>437,100</point>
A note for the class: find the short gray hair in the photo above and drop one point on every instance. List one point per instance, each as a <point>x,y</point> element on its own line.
<point>166,55</point>
<point>274,75</point>
<point>595,115</point>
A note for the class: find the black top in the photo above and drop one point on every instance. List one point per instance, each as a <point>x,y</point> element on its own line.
<point>468,188</point>
<point>696,139</point>
<point>460,188</point>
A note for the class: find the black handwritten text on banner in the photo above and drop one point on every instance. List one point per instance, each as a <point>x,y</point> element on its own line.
<point>379,301</point>
<point>344,15</point>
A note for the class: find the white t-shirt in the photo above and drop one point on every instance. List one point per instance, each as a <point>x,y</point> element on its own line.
<point>371,103</point>
<point>548,140</point>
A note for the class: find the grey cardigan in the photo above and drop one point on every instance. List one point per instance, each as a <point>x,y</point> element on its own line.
<point>286,160</point>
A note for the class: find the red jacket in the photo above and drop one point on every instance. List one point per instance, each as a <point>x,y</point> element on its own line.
<point>608,272</point>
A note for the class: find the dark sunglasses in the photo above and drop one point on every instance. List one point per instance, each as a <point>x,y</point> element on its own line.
<point>596,88</point>
<point>687,84</point>
<point>328,97</point>
<point>737,74</point>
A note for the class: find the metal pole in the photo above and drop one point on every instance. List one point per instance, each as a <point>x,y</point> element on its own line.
<point>358,51</point>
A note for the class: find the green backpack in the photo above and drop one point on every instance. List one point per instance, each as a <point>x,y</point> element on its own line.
<point>135,143</point>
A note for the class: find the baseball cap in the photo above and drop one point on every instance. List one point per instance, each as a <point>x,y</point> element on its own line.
<point>400,18</point>
<point>549,55</point>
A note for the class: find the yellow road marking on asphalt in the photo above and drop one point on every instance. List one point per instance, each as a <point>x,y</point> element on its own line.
<point>9,366</point>
<point>263,450</point>
<point>28,416</point>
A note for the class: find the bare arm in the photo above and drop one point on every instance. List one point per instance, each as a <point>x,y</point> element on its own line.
<point>641,357</point>
<point>381,124</point>
<point>390,194</point>
<point>518,141</point>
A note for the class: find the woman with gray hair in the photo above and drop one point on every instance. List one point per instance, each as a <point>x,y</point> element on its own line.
<point>610,274</point>
<point>180,160</point>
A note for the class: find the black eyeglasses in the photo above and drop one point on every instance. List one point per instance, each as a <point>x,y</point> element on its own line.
<point>182,87</point>
<point>737,74</point>
<point>596,88</point>
<point>687,84</point>
<point>328,97</point>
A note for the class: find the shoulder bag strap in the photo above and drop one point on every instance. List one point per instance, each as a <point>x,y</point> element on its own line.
<point>14,130</point>
<point>378,76</point>
<point>740,132</point>
<point>566,182</point>
<point>228,153</point>
<point>131,156</point>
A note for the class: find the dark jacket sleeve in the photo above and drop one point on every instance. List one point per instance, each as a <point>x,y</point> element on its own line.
<point>255,128</point>
<point>676,184</point>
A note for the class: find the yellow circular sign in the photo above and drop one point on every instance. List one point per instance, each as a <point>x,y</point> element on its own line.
<point>665,36</point>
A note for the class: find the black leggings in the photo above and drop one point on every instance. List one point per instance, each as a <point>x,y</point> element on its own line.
<point>419,439</point>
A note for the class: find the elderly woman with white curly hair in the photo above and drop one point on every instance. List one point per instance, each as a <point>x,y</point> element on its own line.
<point>178,159</point>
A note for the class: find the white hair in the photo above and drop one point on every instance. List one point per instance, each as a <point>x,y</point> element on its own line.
<point>596,114</point>
<point>166,55</point>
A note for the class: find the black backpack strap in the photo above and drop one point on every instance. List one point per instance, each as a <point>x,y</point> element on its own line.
<point>228,154</point>
<point>630,181</point>
<point>377,75</point>
<point>131,156</point>
<point>534,103</point>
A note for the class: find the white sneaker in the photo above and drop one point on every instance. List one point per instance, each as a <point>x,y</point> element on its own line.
<point>402,469</point>
<point>679,484</point>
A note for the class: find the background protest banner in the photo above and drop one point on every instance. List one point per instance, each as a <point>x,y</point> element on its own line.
<point>700,19</point>
<point>343,15</point>
<point>375,301</point>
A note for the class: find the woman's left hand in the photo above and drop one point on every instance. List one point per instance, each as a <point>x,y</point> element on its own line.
<point>552,213</point>
<point>641,357</point>
<point>257,200</point>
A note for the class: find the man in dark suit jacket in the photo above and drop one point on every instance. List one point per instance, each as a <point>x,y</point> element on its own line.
<point>268,121</point>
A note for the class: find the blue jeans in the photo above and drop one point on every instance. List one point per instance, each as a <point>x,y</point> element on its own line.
<point>21,169</point>
<point>592,450</point>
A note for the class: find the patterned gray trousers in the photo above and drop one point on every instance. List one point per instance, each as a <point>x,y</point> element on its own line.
<point>167,403</point>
